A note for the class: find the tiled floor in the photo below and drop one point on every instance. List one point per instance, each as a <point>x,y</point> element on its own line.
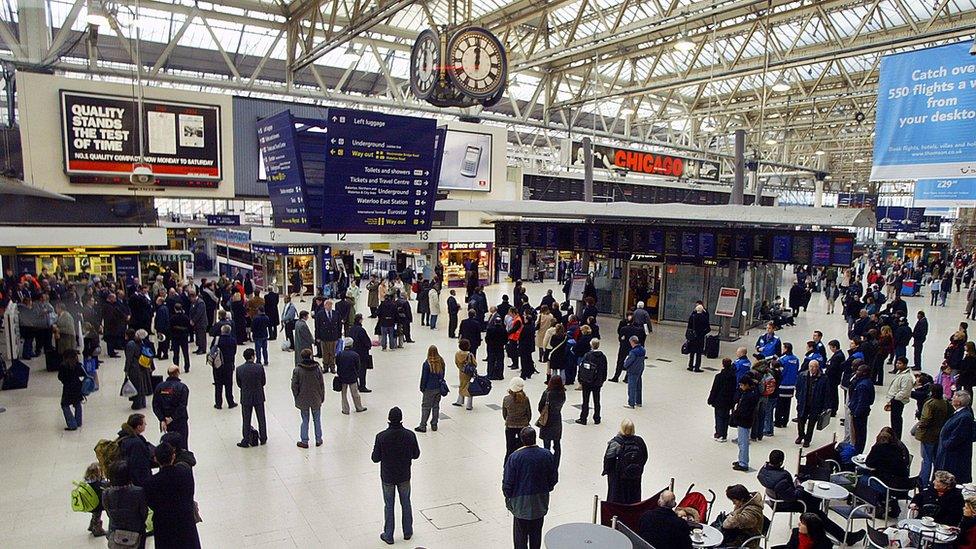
<point>282,496</point>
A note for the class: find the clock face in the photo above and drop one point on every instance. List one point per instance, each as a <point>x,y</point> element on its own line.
<point>425,61</point>
<point>476,63</point>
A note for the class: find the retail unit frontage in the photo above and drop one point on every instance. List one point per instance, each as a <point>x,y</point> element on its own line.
<point>464,262</point>
<point>281,266</point>
<point>156,262</point>
<point>924,251</point>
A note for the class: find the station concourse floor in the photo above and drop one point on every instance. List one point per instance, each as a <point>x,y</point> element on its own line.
<point>279,495</point>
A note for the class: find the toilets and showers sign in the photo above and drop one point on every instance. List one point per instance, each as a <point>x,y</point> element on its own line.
<point>926,119</point>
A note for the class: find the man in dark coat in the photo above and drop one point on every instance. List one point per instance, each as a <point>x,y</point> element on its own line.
<point>592,374</point>
<point>139,375</point>
<point>169,494</point>
<point>170,401</point>
<point>224,376</point>
<point>251,380</point>
<point>135,450</point>
<point>328,328</point>
<point>271,309</point>
<point>470,329</point>
<point>859,403</point>
<point>161,323</point>
<point>362,343</point>
<point>661,527</point>
<point>698,328</point>
<point>625,330</point>
<point>919,333</point>
<point>179,332</point>
<point>198,321</point>
<point>387,313</point>
<point>453,308</point>
<point>955,450</point>
<point>140,310</point>
<point>811,400</point>
<point>722,398</point>
<point>114,320</point>
<point>394,449</point>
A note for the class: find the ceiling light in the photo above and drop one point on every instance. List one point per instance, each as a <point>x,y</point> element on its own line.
<point>771,141</point>
<point>819,152</point>
<point>828,177</point>
<point>780,86</point>
<point>859,161</point>
<point>683,44</point>
<point>97,14</point>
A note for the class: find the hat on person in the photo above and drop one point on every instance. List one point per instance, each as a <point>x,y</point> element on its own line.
<point>396,416</point>
<point>516,385</point>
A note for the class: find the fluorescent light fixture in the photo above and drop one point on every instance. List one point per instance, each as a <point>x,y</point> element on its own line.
<point>819,152</point>
<point>828,177</point>
<point>859,161</point>
<point>683,44</point>
<point>771,141</point>
<point>97,14</point>
<point>780,86</point>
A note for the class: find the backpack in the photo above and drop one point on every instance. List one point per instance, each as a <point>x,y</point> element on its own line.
<point>587,373</point>
<point>768,385</point>
<point>88,386</point>
<point>107,452</point>
<point>83,497</point>
<point>630,460</point>
<point>146,357</point>
<point>214,358</point>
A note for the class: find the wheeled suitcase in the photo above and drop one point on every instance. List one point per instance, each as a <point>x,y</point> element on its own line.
<point>17,376</point>
<point>711,346</point>
<point>52,361</point>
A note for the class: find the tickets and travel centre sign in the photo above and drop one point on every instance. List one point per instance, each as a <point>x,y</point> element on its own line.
<point>352,172</point>
<point>100,138</point>
<point>615,158</point>
<point>926,120</point>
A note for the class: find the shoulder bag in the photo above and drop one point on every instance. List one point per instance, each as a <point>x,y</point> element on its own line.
<point>544,414</point>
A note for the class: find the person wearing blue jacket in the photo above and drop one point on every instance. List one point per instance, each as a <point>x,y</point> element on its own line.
<point>742,364</point>
<point>634,366</point>
<point>768,345</point>
<point>859,404</point>
<point>955,451</point>
<point>790,365</point>
<point>530,475</point>
<point>811,400</point>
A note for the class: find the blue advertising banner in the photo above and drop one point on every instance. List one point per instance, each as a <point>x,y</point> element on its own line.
<point>223,220</point>
<point>926,119</point>
<point>898,219</point>
<point>278,145</point>
<point>955,193</point>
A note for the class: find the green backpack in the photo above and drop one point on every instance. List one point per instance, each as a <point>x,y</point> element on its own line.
<point>83,497</point>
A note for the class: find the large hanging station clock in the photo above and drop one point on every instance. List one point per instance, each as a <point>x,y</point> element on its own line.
<point>468,67</point>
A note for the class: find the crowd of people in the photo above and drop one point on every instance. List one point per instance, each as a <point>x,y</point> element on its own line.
<point>757,391</point>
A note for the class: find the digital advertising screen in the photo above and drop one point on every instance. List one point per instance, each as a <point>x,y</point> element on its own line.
<point>466,164</point>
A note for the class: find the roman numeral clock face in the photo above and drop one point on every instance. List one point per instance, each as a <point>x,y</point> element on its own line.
<point>476,63</point>
<point>425,61</point>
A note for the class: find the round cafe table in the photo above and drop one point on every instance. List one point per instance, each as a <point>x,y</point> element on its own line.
<point>860,461</point>
<point>711,536</point>
<point>936,533</point>
<point>585,535</point>
<point>825,491</point>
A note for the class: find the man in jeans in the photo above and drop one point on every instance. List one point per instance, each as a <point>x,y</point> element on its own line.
<point>935,412</point>
<point>634,366</point>
<point>394,449</point>
<point>530,475</point>
<point>899,393</point>
<point>592,374</point>
<point>743,416</point>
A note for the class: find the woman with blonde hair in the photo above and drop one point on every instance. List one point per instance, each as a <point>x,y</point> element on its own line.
<point>623,465</point>
<point>433,387</point>
<point>546,321</point>
<point>467,368</point>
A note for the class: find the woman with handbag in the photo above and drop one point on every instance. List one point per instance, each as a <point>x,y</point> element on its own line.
<point>550,420</point>
<point>467,368</point>
<point>557,355</point>
<point>433,386</point>
<point>126,507</point>
<point>517,413</point>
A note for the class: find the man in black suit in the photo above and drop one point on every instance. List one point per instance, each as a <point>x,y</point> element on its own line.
<point>453,308</point>
<point>170,400</point>
<point>251,380</point>
<point>328,327</point>
<point>470,329</point>
<point>661,527</point>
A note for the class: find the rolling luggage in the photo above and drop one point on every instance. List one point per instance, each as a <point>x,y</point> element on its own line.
<point>711,346</point>
<point>17,376</point>
<point>52,361</point>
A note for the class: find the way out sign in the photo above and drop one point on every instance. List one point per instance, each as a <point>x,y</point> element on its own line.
<point>728,298</point>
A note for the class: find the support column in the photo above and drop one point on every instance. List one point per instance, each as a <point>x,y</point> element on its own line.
<point>34,34</point>
<point>587,197</point>
<point>818,192</point>
<point>736,198</point>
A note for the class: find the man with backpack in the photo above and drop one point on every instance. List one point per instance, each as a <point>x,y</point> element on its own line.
<point>592,374</point>
<point>170,401</point>
<point>129,446</point>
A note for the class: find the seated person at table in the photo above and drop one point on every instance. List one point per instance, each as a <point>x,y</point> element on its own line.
<point>779,484</point>
<point>942,501</point>
<point>661,527</point>
<point>746,519</point>
<point>888,459</point>
<point>967,528</point>
<point>809,535</point>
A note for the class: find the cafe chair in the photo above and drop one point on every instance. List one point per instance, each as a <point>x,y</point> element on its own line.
<point>761,541</point>
<point>864,500</point>
<point>788,507</point>
<point>878,539</point>
<point>635,539</point>
<point>898,494</point>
